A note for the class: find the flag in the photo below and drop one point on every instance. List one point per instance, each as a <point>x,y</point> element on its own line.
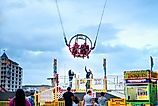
<point>152,63</point>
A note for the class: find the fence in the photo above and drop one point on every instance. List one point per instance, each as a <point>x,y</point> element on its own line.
<point>111,102</point>
<point>4,103</point>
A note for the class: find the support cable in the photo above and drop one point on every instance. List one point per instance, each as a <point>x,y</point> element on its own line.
<point>61,22</point>
<point>100,24</point>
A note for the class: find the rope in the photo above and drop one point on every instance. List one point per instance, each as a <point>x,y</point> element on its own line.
<point>100,23</point>
<point>59,14</point>
<point>61,22</point>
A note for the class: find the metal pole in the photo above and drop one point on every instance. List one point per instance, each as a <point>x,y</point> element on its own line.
<point>105,78</point>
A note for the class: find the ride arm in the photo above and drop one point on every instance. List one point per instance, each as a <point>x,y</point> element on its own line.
<point>94,44</point>
<point>85,69</point>
<point>66,41</point>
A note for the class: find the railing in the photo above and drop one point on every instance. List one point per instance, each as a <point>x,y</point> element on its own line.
<point>111,102</point>
<point>54,103</point>
<point>4,103</point>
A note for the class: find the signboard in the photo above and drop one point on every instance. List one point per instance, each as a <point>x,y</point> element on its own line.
<point>154,75</point>
<point>137,81</point>
<point>99,90</point>
<point>136,74</point>
<point>142,93</point>
<point>82,83</point>
<point>137,93</point>
<point>98,83</point>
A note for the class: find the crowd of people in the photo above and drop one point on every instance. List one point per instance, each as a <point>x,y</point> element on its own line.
<point>69,98</point>
<point>88,100</point>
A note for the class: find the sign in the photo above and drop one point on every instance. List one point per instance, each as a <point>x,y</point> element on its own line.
<point>99,90</point>
<point>93,94</point>
<point>81,90</point>
<point>119,102</point>
<point>138,81</point>
<point>82,84</point>
<point>154,75</point>
<point>97,81</point>
<point>83,81</point>
<point>142,93</point>
<point>136,74</point>
<point>137,92</point>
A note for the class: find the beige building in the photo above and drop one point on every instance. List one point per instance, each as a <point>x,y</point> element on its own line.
<point>10,74</point>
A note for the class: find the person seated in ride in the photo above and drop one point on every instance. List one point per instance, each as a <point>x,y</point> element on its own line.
<point>84,49</point>
<point>87,50</point>
<point>75,49</point>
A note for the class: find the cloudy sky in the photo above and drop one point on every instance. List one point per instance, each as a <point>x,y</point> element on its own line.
<point>31,34</point>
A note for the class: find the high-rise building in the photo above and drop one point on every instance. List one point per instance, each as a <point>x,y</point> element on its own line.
<point>10,74</point>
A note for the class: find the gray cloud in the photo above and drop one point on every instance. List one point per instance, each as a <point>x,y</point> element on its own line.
<point>107,32</point>
<point>30,29</point>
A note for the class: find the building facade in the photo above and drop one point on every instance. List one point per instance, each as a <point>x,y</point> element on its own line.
<point>10,74</point>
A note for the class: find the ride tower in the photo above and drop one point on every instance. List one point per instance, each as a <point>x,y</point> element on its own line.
<point>140,88</point>
<point>105,78</point>
<point>55,80</point>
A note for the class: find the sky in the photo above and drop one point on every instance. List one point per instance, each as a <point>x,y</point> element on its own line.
<point>31,34</point>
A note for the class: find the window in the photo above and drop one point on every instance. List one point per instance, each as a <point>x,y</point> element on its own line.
<point>20,72</point>
<point>3,63</point>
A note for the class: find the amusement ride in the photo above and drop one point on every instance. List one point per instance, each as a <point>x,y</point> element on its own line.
<point>76,48</point>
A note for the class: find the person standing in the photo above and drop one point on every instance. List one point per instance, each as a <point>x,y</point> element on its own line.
<point>87,99</point>
<point>71,75</point>
<point>76,101</point>
<point>89,76</point>
<point>19,99</point>
<point>31,99</point>
<point>102,99</point>
<point>68,97</point>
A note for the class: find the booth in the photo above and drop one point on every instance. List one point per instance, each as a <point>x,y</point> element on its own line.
<point>140,88</point>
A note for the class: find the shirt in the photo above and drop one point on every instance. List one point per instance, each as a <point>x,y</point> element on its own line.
<point>102,101</point>
<point>67,97</point>
<point>88,100</point>
<point>12,102</point>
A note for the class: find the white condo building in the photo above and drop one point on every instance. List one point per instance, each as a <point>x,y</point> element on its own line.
<point>10,74</point>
